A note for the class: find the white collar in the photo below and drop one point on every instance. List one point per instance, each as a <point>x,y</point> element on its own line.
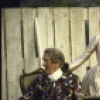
<point>56,75</point>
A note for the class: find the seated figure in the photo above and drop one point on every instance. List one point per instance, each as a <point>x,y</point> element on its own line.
<point>57,83</point>
<point>91,81</point>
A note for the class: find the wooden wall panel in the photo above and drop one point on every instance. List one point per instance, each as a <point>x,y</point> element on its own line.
<point>78,37</point>
<point>46,32</point>
<point>61,19</point>
<point>94,29</point>
<point>28,16</point>
<point>3,53</point>
<point>14,57</point>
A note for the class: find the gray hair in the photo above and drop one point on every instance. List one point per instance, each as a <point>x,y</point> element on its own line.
<point>56,55</point>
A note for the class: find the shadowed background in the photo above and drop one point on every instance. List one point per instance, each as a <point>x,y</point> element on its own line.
<point>48,3</point>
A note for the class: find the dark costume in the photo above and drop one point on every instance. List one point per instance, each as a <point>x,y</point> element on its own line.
<point>67,87</point>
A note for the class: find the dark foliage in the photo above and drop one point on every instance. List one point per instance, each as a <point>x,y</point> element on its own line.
<point>50,3</point>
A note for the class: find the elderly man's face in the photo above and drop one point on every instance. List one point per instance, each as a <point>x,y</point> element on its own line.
<point>50,66</point>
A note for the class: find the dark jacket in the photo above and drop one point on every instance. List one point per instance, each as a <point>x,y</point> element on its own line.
<point>65,88</point>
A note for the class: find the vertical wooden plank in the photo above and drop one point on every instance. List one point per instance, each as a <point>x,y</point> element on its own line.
<point>78,37</point>
<point>38,38</point>
<point>3,71</point>
<point>28,16</point>
<point>14,59</point>
<point>94,29</point>
<point>61,18</point>
<point>35,66</point>
<point>46,29</point>
<point>86,15</point>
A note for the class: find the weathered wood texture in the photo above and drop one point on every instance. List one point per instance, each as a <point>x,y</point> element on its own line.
<point>61,19</point>
<point>3,72</point>
<point>45,33</point>
<point>94,29</point>
<point>78,36</point>
<point>28,31</point>
<point>28,16</point>
<point>14,57</point>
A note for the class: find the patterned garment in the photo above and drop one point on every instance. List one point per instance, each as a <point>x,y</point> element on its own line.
<point>91,82</point>
<point>67,87</point>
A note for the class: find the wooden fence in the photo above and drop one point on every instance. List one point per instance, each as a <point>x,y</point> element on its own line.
<point>23,43</point>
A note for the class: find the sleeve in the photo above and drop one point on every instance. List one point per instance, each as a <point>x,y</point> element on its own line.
<point>86,82</point>
<point>75,85</point>
<point>29,95</point>
<point>78,86</point>
<point>97,84</point>
<point>94,86</point>
<point>91,82</point>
